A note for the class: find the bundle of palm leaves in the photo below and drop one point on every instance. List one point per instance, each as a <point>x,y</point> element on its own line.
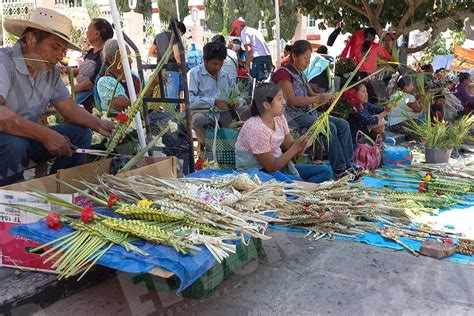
<point>442,135</point>
<point>321,125</point>
<point>123,126</point>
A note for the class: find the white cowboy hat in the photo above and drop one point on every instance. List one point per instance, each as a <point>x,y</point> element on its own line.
<point>45,20</point>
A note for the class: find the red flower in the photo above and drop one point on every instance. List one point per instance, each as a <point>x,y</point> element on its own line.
<point>198,165</point>
<point>112,200</point>
<point>122,117</point>
<point>86,214</point>
<point>52,220</point>
<point>421,187</point>
<point>351,98</point>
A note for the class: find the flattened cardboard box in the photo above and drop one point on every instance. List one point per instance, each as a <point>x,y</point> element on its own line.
<point>14,250</point>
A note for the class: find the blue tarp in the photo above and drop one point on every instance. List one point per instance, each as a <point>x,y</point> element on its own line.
<point>188,268</point>
<point>376,239</point>
<point>442,61</point>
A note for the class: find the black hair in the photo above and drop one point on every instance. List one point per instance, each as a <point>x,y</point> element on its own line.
<point>439,96</point>
<point>214,50</point>
<point>362,84</point>
<point>322,50</point>
<point>426,67</point>
<point>218,39</point>
<point>288,47</point>
<point>105,29</point>
<point>463,76</point>
<point>38,34</point>
<point>180,25</point>
<point>439,70</point>
<point>264,92</point>
<point>369,31</point>
<point>403,82</point>
<point>236,40</point>
<point>300,47</point>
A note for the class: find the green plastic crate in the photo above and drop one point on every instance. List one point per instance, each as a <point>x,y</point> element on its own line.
<point>208,283</point>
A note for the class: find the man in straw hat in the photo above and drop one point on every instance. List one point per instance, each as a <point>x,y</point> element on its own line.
<point>29,81</point>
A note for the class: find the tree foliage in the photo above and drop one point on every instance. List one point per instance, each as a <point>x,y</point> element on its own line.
<point>400,16</point>
<point>440,47</point>
<point>168,9</point>
<point>144,7</point>
<point>221,13</point>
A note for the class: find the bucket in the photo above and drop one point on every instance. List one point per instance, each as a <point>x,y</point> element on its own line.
<point>437,155</point>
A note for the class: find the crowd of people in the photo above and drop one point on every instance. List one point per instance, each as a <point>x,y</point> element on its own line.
<point>286,97</point>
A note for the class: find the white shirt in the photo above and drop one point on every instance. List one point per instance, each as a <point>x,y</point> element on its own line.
<point>254,38</point>
<point>402,110</point>
<point>230,65</point>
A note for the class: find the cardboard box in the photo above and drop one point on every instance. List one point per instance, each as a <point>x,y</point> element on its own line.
<point>14,249</point>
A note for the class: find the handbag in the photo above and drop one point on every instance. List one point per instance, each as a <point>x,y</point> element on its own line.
<point>366,155</point>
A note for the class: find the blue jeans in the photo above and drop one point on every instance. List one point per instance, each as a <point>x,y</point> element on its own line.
<point>340,147</point>
<point>312,173</point>
<point>16,152</point>
<point>82,96</point>
<point>261,67</point>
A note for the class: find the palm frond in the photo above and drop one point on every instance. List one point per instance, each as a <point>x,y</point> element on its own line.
<point>321,125</point>
<point>142,151</point>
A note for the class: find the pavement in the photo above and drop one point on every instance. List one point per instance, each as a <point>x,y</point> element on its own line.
<point>299,277</point>
<point>20,289</point>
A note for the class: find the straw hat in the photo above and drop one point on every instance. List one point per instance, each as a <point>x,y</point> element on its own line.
<point>45,20</point>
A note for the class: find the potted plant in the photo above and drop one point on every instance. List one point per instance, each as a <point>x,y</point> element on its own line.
<point>440,138</point>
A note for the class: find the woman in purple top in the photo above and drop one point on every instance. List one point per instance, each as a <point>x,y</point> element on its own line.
<point>461,91</point>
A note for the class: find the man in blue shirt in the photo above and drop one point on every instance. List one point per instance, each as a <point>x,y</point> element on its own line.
<point>29,81</point>
<point>209,89</point>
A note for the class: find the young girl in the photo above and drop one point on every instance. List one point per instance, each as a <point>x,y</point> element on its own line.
<point>368,118</point>
<point>407,106</point>
<point>261,137</point>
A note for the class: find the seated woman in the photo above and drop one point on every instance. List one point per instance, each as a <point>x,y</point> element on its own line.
<point>437,108</point>
<point>461,91</point>
<point>301,97</point>
<point>111,87</point>
<point>112,91</point>
<point>261,137</point>
<point>407,106</point>
<point>98,32</point>
<point>368,118</point>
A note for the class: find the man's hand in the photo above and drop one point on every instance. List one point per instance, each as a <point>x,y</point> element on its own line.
<point>105,128</point>
<point>222,105</point>
<point>56,144</point>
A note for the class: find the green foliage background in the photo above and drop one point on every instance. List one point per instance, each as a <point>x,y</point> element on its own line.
<point>221,13</point>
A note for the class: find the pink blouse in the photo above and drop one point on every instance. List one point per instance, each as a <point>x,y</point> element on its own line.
<point>256,138</point>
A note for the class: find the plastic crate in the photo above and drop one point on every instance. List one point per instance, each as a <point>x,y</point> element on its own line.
<point>243,255</point>
<point>208,283</point>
